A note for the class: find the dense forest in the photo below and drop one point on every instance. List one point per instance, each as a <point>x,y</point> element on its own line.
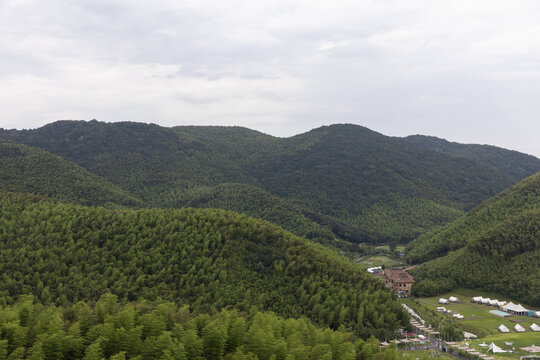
<point>501,159</point>
<point>497,248</point>
<point>510,203</point>
<point>162,330</point>
<point>32,170</point>
<point>340,177</point>
<point>211,259</point>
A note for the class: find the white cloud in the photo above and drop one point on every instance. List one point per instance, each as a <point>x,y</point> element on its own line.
<point>461,70</point>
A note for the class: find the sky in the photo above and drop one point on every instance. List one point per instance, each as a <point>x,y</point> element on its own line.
<point>466,71</point>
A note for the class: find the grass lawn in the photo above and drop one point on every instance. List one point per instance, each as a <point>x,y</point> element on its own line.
<point>519,339</point>
<point>379,260</point>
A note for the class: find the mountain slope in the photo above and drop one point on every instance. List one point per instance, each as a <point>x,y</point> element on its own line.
<point>32,170</point>
<point>346,173</point>
<point>211,259</point>
<point>512,202</point>
<point>496,248</point>
<point>509,162</point>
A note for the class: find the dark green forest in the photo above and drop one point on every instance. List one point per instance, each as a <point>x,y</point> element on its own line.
<point>338,176</point>
<point>163,330</point>
<point>31,170</point>
<point>512,202</point>
<point>503,260</point>
<point>210,259</point>
<point>495,247</point>
<point>501,159</point>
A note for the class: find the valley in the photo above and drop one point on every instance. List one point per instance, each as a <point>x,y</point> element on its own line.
<point>136,241</point>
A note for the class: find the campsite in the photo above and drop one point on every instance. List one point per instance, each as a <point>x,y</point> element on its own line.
<point>478,320</point>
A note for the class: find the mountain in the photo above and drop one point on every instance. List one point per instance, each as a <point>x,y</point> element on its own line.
<point>345,175</point>
<point>32,170</point>
<point>495,247</point>
<point>511,163</point>
<point>208,258</point>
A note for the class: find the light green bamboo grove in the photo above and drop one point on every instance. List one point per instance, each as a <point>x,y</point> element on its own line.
<point>210,259</point>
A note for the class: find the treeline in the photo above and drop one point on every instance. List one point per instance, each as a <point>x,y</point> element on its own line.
<point>32,170</point>
<point>162,330</point>
<point>512,202</point>
<point>503,260</point>
<point>211,259</point>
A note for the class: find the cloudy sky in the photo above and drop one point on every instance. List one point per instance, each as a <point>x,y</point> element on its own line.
<point>467,71</point>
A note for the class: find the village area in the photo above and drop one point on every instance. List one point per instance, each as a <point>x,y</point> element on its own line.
<point>485,326</point>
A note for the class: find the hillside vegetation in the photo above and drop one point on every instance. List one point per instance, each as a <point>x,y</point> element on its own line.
<point>251,200</point>
<point>341,176</point>
<point>497,248</point>
<point>211,259</point>
<point>31,170</point>
<point>512,202</point>
<point>142,331</point>
<point>509,162</point>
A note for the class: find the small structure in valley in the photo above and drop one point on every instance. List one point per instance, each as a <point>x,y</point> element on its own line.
<point>399,280</point>
<point>453,299</point>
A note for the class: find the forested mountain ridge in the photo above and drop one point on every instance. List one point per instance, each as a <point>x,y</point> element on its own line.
<point>494,247</point>
<point>210,259</point>
<point>506,205</point>
<point>345,174</point>
<point>503,260</point>
<point>509,162</point>
<point>32,170</point>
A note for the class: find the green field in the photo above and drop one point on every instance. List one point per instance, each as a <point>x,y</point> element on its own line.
<point>479,321</point>
<point>379,260</point>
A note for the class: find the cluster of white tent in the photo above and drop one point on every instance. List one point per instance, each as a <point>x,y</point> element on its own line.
<point>518,328</point>
<point>510,307</point>
<point>446,311</point>
<point>488,301</point>
<point>449,300</point>
<point>497,349</point>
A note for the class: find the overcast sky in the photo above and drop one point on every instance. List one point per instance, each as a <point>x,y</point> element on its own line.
<point>464,70</point>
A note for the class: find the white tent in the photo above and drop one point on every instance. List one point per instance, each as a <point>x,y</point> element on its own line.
<point>501,303</point>
<point>443,301</point>
<point>477,299</point>
<point>453,299</point>
<point>519,328</point>
<point>503,329</point>
<point>537,314</point>
<point>494,302</point>
<point>495,349</point>
<point>533,348</point>
<point>514,308</point>
<point>486,301</point>
<point>534,327</point>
